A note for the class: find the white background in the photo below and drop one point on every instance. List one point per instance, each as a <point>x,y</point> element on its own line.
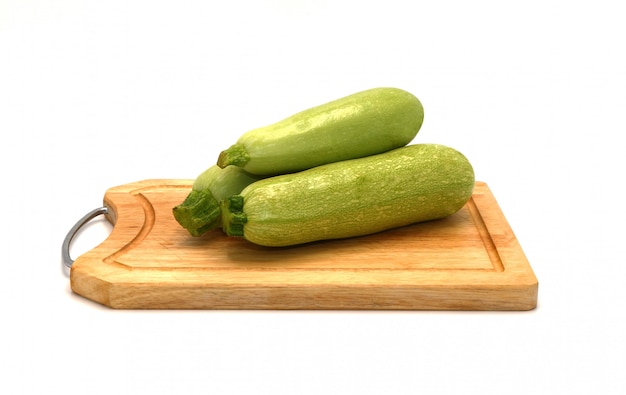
<point>95,94</point>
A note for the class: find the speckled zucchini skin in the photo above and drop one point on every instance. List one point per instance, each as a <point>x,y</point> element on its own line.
<point>350,198</point>
<point>365,123</point>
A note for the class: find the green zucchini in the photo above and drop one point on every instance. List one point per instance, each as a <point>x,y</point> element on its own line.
<point>200,212</point>
<point>350,198</point>
<point>362,124</point>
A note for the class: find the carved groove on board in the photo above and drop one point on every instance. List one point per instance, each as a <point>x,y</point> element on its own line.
<point>490,246</point>
<point>148,224</point>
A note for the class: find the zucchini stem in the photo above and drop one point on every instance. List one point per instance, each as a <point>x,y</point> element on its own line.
<point>233,216</point>
<point>199,212</point>
<point>235,155</point>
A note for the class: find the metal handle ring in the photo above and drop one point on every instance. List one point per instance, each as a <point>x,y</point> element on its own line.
<point>65,249</point>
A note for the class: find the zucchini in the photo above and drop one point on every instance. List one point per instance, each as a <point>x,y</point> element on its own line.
<point>362,124</point>
<point>356,197</point>
<point>200,212</point>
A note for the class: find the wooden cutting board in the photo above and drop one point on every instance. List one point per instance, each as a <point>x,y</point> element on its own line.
<point>468,261</point>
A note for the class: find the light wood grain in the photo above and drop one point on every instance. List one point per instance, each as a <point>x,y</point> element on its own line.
<point>468,261</point>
